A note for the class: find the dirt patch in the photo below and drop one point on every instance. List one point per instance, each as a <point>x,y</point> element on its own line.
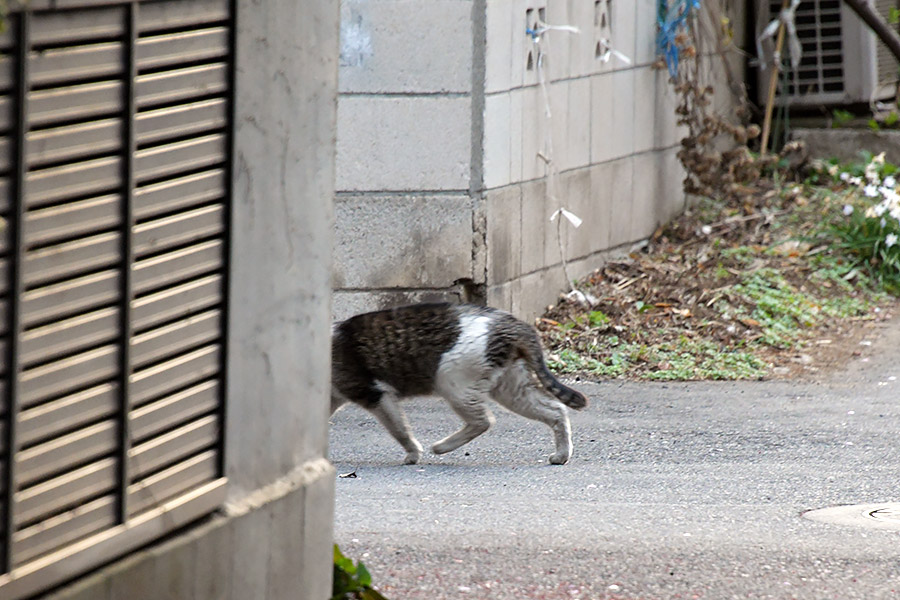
<point>720,294</point>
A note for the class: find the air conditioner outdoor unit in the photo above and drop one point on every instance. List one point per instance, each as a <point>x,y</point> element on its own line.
<point>843,61</point>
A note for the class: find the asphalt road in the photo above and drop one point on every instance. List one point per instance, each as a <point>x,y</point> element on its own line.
<point>686,490</point>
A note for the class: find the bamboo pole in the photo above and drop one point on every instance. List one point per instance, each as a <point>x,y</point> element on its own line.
<point>773,82</point>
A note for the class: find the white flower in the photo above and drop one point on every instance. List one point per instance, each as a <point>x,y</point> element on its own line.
<point>845,176</point>
<point>848,210</point>
<point>895,212</point>
<point>889,181</point>
<point>890,239</point>
<point>857,181</point>
<point>879,209</point>
<point>871,172</point>
<point>833,170</point>
<point>878,160</point>
<point>871,191</point>
<point>883,222</point>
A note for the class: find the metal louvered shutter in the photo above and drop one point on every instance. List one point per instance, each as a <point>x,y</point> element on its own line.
<point>114,198</point>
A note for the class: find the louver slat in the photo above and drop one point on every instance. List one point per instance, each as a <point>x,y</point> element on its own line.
<point>172,375</point>
<point>63,529</point>
<point>177,301</point>
<point>68,297</point>
<point>74,102</point>
<point>96,61</point>
<point>67,413</point>
<point>178,48</point>
<point>180,193</point>
<point>67,491</point>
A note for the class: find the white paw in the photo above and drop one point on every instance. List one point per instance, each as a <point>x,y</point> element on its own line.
<point>413,456</point>
<point>560,458</point>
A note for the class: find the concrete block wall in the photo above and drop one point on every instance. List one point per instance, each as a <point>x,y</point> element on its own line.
<point>442,188</point>
<point>611,135</point>
<point>405,218</point>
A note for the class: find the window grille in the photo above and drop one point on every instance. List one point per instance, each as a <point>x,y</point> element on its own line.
<point>115,127</point>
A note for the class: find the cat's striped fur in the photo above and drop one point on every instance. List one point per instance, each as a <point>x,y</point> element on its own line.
<point>465,354</point>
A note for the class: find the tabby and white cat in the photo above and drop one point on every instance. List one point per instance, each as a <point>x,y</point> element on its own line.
<point>466,354</point>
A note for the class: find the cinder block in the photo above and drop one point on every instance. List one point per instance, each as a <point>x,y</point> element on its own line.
<point>603,147</point>
<point>578,124</point>
<point>347,304</point>
<point>393,46</point>
<point>622,130</point>
<point>624,23</point>
<point>602,36</point>
<point>671,199</point>
<point>612,115</point>
<point>621,177</point>
<point>646,213</point>
<point>557,42</point>
<point>497,124</point>
<point>599,211</point>
<point>539,290</point>
<point>577,186</point>
<point>402,241</point>
<point>559,124</point>
<point>668,132</point>
<point>521,43</point>
<point>401,144</point>
<point>528,19</point>
<point>504,234</point>
<point>499,46</point>
<point>534,127</point>
<point>535,221</point>
<point>500,296</point>
<point>645,32</point>
<point>646,119</point>
<point>581,47</point>
<point>516,98</point>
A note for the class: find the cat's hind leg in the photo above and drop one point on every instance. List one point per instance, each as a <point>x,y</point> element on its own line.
<point>472,408</point>
<point>516,389</point>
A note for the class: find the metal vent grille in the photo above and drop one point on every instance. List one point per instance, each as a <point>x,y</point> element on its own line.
<point>821,68</point>
<point>842,59</point>
<point>114,137</point>
<point>887,64</point>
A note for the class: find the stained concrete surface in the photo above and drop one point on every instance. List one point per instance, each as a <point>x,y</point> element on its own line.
<point>678,490</point>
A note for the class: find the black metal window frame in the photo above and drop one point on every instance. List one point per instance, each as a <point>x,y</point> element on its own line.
<point>130,531</point>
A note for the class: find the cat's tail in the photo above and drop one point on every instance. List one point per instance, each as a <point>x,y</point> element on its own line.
<point>534,356</point>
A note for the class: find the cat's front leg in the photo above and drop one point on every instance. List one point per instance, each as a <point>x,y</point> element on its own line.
<point>388,412</point>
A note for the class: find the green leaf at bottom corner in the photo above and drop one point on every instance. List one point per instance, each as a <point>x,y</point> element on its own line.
<point>371,594</point>
<point>363,575</point>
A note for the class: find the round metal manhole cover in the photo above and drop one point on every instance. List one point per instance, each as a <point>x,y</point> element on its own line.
<point>873,516</point>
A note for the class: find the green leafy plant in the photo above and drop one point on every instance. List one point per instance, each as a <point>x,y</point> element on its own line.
<point>841,118</point>
<point>352,581</point>
<point>867,230</point>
